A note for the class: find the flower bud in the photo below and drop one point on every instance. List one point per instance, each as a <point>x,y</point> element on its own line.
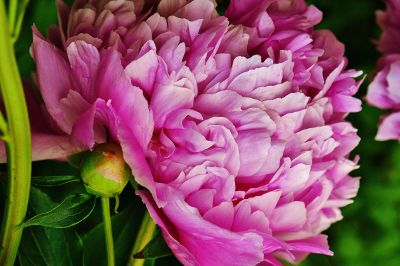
<point>104,171</point>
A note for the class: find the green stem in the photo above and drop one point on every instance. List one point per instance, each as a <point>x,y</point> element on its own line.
<point>146,233</point>
<point>3,126</point>
<point>18,146</point>
<point>105,205</point>
<point>20,18</point>
<point>12,14</point>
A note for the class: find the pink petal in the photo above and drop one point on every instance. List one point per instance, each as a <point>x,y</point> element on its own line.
<point>94,125</point>
<point>47,147</point>
<point>142,71</point>
<point>180,251</point>
<point>202,238</point>
<point>54,78</point>
<point>289,217</point>
<point>84,59</point>
<point>221,215</point>
<point>389,127</point>
<point>377,92</point>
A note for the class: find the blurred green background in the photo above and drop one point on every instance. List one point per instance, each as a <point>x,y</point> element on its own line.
<point>370,232</point>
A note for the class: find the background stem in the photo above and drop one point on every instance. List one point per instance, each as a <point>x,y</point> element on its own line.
<point>18,20</point>
<point>146,233</point>
<point>105,205</point>
<point>12,14</point>
<point>18,145</point>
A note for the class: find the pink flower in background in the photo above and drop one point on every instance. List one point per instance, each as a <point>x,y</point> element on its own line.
<point>389,22</point>
<point>384,91</point>
<point>235,124</point>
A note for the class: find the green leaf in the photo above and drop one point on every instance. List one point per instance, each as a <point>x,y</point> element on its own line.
<point>156,248</point>
<point>55,169</point>
<point>51,181</point>
<point>73,210</point>
<point>48,246</point>
<point>125,228</point>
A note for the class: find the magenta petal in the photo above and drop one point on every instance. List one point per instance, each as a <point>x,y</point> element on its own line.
<point>182,254</point>
<point>345,104</point>
<point>317,244</point>
<point>111,79</point>
<point>135,114</point>
<point>54,78</point>
<point>47,147</point>
<point>135,157</point>
<point>84,59</point>
<point>390,127</point>
<point>127,100</point>
<point>90,126</point>
<point>393,81</point>
<point>266,203</point>
<point>197,9</point>
<point>172,52</point>
<point>209,238</point>
<point>168,98</point>
<point>234,124</point>
<point>143,70</point>
<point>221,215</point>
<point>245,12</point>
<point>186,29</point>
<point>377,92</point>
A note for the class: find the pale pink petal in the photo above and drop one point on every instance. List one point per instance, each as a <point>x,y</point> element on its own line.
<point>389,127</point>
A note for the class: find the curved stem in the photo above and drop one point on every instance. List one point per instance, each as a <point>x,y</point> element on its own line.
<point>105,205</point>
<point>19,19</point>
<point>3,126</point>
<point>12,14</point>
<point>146,233</point>
<point>18,144</point>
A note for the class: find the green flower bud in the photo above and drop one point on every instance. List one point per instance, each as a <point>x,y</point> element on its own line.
<point>104,171</point>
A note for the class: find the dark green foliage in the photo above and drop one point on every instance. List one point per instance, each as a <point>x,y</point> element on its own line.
<point>71,211</point>
<point>125,226</point>
<point>53,181</point>
<point>48,246</point>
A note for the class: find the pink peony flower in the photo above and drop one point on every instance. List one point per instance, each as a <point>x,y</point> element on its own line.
<point>235,125</point>
<point>250,164</point>
<point>389,22</point>
<point>384,91</point>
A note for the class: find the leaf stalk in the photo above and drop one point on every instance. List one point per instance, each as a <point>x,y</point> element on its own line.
<point>105,206</point>
<point>18,143</point>
<point>146,233</point>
